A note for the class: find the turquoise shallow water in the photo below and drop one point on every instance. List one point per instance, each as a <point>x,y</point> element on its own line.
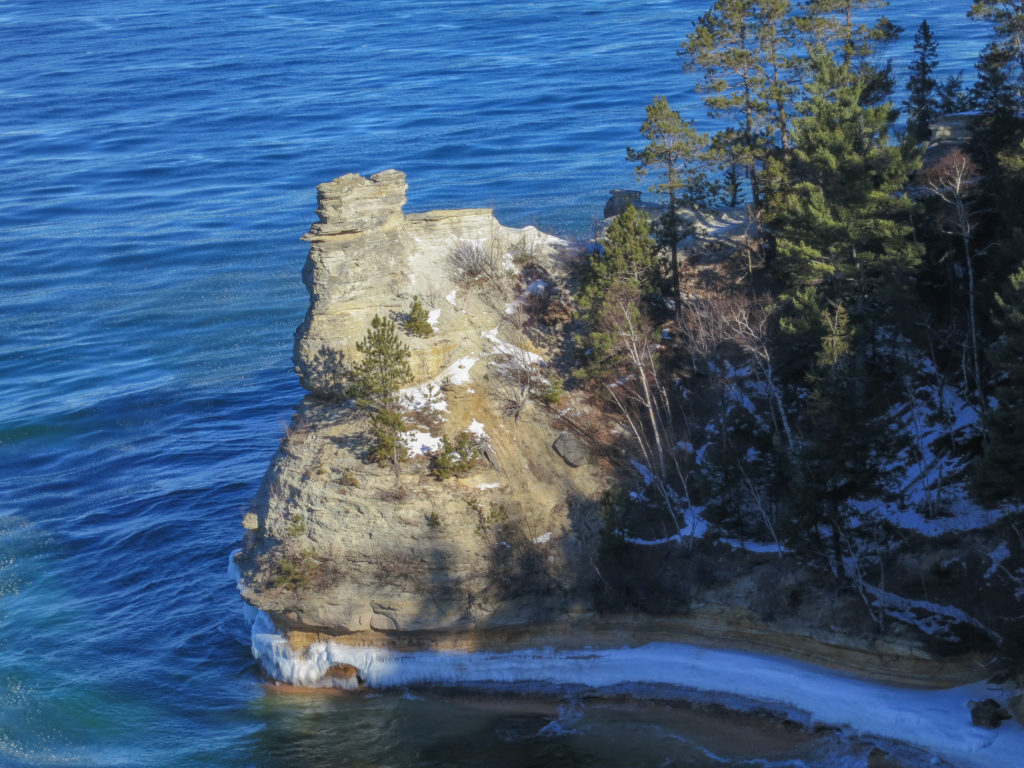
<point>159,161</point>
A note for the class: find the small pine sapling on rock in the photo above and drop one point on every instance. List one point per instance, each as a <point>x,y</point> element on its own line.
<point>418,321</point>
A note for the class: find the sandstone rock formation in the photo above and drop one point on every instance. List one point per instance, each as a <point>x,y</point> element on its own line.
<point>510,555</point>
<point>344,546</point>
<point>366,257</point>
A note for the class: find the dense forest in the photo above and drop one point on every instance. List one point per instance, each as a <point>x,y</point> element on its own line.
<point>860,355</point>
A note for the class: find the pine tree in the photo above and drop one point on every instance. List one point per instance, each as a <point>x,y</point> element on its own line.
<point>418,321</point>
<point>845,437</point>
<point>833,25</point>
<point>1007,20</point>
<point>384,367</point>
<point>376,381</point>
<point>998,124</point>
<point>743,51</point>
<point>950,96</point>
<point>627,260</point>
<point>680,157</point>
<point>922,107</point>
<point>1001,470</point>
<point>843,223</point>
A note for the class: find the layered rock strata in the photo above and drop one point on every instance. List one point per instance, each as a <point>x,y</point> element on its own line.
<point>509,556</point>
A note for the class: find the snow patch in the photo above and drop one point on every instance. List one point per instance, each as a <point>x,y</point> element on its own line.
<point>433,317</point>
<point>477,429</point>
<point>458,372</point>
<point>544,538</point>
<point>505,348</point>
<point>450,298</point>
<point>998,556</point>
<point>420,443</point>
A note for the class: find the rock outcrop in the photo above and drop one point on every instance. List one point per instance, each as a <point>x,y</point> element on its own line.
<point>344,546</point>
<point>367,257</point>
<point>511,554</point>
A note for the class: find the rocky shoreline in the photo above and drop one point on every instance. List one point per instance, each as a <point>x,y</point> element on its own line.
<point>343,554</point>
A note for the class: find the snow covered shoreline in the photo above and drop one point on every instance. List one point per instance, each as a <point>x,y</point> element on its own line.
<point>937,721</point>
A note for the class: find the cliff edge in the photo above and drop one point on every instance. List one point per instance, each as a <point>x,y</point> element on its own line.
<point>515,551</point>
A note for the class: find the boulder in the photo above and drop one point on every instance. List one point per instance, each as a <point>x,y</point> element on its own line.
<point>988,713</point>
<point>573,451</point>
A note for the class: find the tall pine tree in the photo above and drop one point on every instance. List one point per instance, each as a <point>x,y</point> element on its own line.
<point>680,157</point>
<point>921,103</point>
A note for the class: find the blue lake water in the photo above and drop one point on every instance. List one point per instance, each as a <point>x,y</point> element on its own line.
<point>158,163</point>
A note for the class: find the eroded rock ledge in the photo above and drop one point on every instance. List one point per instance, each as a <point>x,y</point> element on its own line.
<point>510,556</point>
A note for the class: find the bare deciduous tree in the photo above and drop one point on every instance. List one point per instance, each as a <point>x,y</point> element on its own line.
<point>641,398</point>
<point>954,180</point>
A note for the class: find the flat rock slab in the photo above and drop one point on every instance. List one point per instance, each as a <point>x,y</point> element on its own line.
<point>572,450</point>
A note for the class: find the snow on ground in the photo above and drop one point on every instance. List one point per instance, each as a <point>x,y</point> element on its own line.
<point>938,721</point>
<point>433,317</point>
<point>998,557</point>
<point>450,298</point>
<point>420,443</point>
<point>931,618</point>
<point>428,396</point>
<point>477,429</point>
<point>505,348</point>
<point>458,372</point>
<point>424,397</point>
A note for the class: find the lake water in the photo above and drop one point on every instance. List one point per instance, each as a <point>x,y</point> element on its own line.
<point>159,162</point>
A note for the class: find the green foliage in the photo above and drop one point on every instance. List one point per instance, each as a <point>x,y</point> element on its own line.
<point>495,519</point>
<point>294,572</point>
<point>384,368</point>
<point>951,97</point>
<point>455,458</point>
<point>745,55</point>
<point>417,323</point>
<point>386,428</point>
<point>681,157</point>
<point>842,224</point>
<point>553,392</point>
<point>1001,470</point>
<point>922,106</point>
<point>626,262</point>
<point>678,154</point>
<point>296,526</point>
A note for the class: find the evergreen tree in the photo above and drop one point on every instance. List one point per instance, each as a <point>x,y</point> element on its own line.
<point>922,107</point>
<point>1001,472</point>
<point>833,25</point>
<point>1007,20</point>
<point>418,321</point>
<point>384,367</point>
<point>845,440</point>
<point>743,51</point>
<point>843,223</point>
<point>627,260</point>
<point>679,155</point>
<point>998,124</point>
<point>950,96</point>
<point>376,380</point>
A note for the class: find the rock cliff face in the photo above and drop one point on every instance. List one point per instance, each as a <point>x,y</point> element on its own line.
<point>510,555</point>
<point>340,546</point>
<point>366,257</point>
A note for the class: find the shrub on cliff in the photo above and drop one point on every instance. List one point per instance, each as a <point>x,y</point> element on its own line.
<point>456,457</point>
<point>376,381</point>
<point>418,322</point>
<point>383,369</point>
